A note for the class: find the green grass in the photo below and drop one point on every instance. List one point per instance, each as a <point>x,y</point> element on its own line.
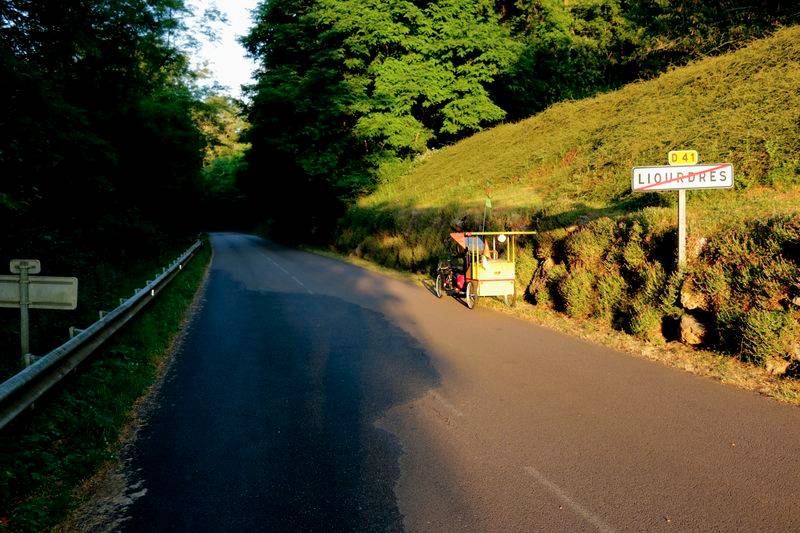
<point>604,253</point>
<point>576,157</point>
<point>49,452</point>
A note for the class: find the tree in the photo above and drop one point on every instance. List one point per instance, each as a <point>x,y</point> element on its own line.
<point>578,48</point>
<point>345,86</point>
<point>96,115</point>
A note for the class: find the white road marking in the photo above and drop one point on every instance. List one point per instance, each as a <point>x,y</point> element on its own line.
<point>286,272</point>
<point>587,515</point>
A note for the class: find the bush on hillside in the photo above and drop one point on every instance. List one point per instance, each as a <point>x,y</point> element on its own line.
<point>765,335</point>
<point>577,293</point>
<point>611,289</point>
<point>587,246</point>
<point>645,323</point>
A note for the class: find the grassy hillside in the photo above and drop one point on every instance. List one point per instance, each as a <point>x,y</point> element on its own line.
<point>605,253</point>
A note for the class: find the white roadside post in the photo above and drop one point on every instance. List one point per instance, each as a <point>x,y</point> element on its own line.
<point>682,174</point>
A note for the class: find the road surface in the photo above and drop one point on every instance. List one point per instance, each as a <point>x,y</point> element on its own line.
<point>312,395</point>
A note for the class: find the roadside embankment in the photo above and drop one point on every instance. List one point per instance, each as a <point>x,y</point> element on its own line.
<point>607,255</point>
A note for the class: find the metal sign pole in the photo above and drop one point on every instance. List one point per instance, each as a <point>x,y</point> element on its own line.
<point>24,301</point>
<point>681,229</point>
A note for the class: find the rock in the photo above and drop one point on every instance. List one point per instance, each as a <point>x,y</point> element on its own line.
<point>697,246</point>
<point>691,298</point>
<point>548,264</point>
<point>796,301</point>
<point>692,331</point>
<point>794,352</point>
<point>777,365</point>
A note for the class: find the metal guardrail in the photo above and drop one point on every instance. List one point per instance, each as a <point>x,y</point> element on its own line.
<point>24,388</point>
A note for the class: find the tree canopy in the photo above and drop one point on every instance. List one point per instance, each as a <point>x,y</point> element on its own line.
<point>96,118</point>
<point>346,86</point>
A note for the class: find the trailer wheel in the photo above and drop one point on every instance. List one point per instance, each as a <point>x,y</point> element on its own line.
<point>511,299</point>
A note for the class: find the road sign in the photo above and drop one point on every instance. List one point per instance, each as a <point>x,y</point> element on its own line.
<point>683,177</point>
<point>683,157</point>
<point>33,266</point>
<point>26,292</point>
<point>44,292</point>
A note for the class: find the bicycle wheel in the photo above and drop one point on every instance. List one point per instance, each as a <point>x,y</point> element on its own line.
<point>470,298</point>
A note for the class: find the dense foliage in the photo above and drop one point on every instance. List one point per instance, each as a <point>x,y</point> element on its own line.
<point>345,87</point>
<point>100,150</point>
<point>96,124</point>
<point>574,49</point>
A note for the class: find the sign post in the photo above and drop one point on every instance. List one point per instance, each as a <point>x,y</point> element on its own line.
<point>682,174</point>
<point>681,229</point>
<point>34,292</point>
<point>24,301</point>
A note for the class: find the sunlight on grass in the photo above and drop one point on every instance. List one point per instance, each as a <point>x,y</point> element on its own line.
<point>604,254</point>
<point>742,108</point>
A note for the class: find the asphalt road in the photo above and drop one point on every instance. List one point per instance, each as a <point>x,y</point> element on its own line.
<point>311,395</point>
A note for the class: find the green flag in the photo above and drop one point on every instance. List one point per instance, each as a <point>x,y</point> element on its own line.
<point>488,203</point>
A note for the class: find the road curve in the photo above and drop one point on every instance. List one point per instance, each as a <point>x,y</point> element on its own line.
<point>312,395</point>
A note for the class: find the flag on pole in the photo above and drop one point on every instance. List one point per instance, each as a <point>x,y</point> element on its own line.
<point>488,203</point>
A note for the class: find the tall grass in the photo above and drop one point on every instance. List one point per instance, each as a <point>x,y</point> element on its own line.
<point>741,108</point>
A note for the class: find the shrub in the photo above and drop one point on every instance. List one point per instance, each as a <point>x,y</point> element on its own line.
<point>633,255</point>
<point>577,293</point>
<point>671,294</point>
<point>611,287</point>
<point>587,246</point>
<point>405,257</point>
<point>526,266</point>
<point>656,220</point>
<point>765,334</point>
<point>770,286</point>
<point>654,277</point>
<point>545,292</point>
<point>384,250</point>
<point>729,325</point>
<point>713,281</point>
<point>547,243</point>
<point>644,322</point>
<point>793,370</point>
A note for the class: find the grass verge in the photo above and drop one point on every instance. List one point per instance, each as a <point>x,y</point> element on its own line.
<point>47,454</point>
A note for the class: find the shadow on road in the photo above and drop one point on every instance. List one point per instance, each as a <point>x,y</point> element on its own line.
<point>281,437</point>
